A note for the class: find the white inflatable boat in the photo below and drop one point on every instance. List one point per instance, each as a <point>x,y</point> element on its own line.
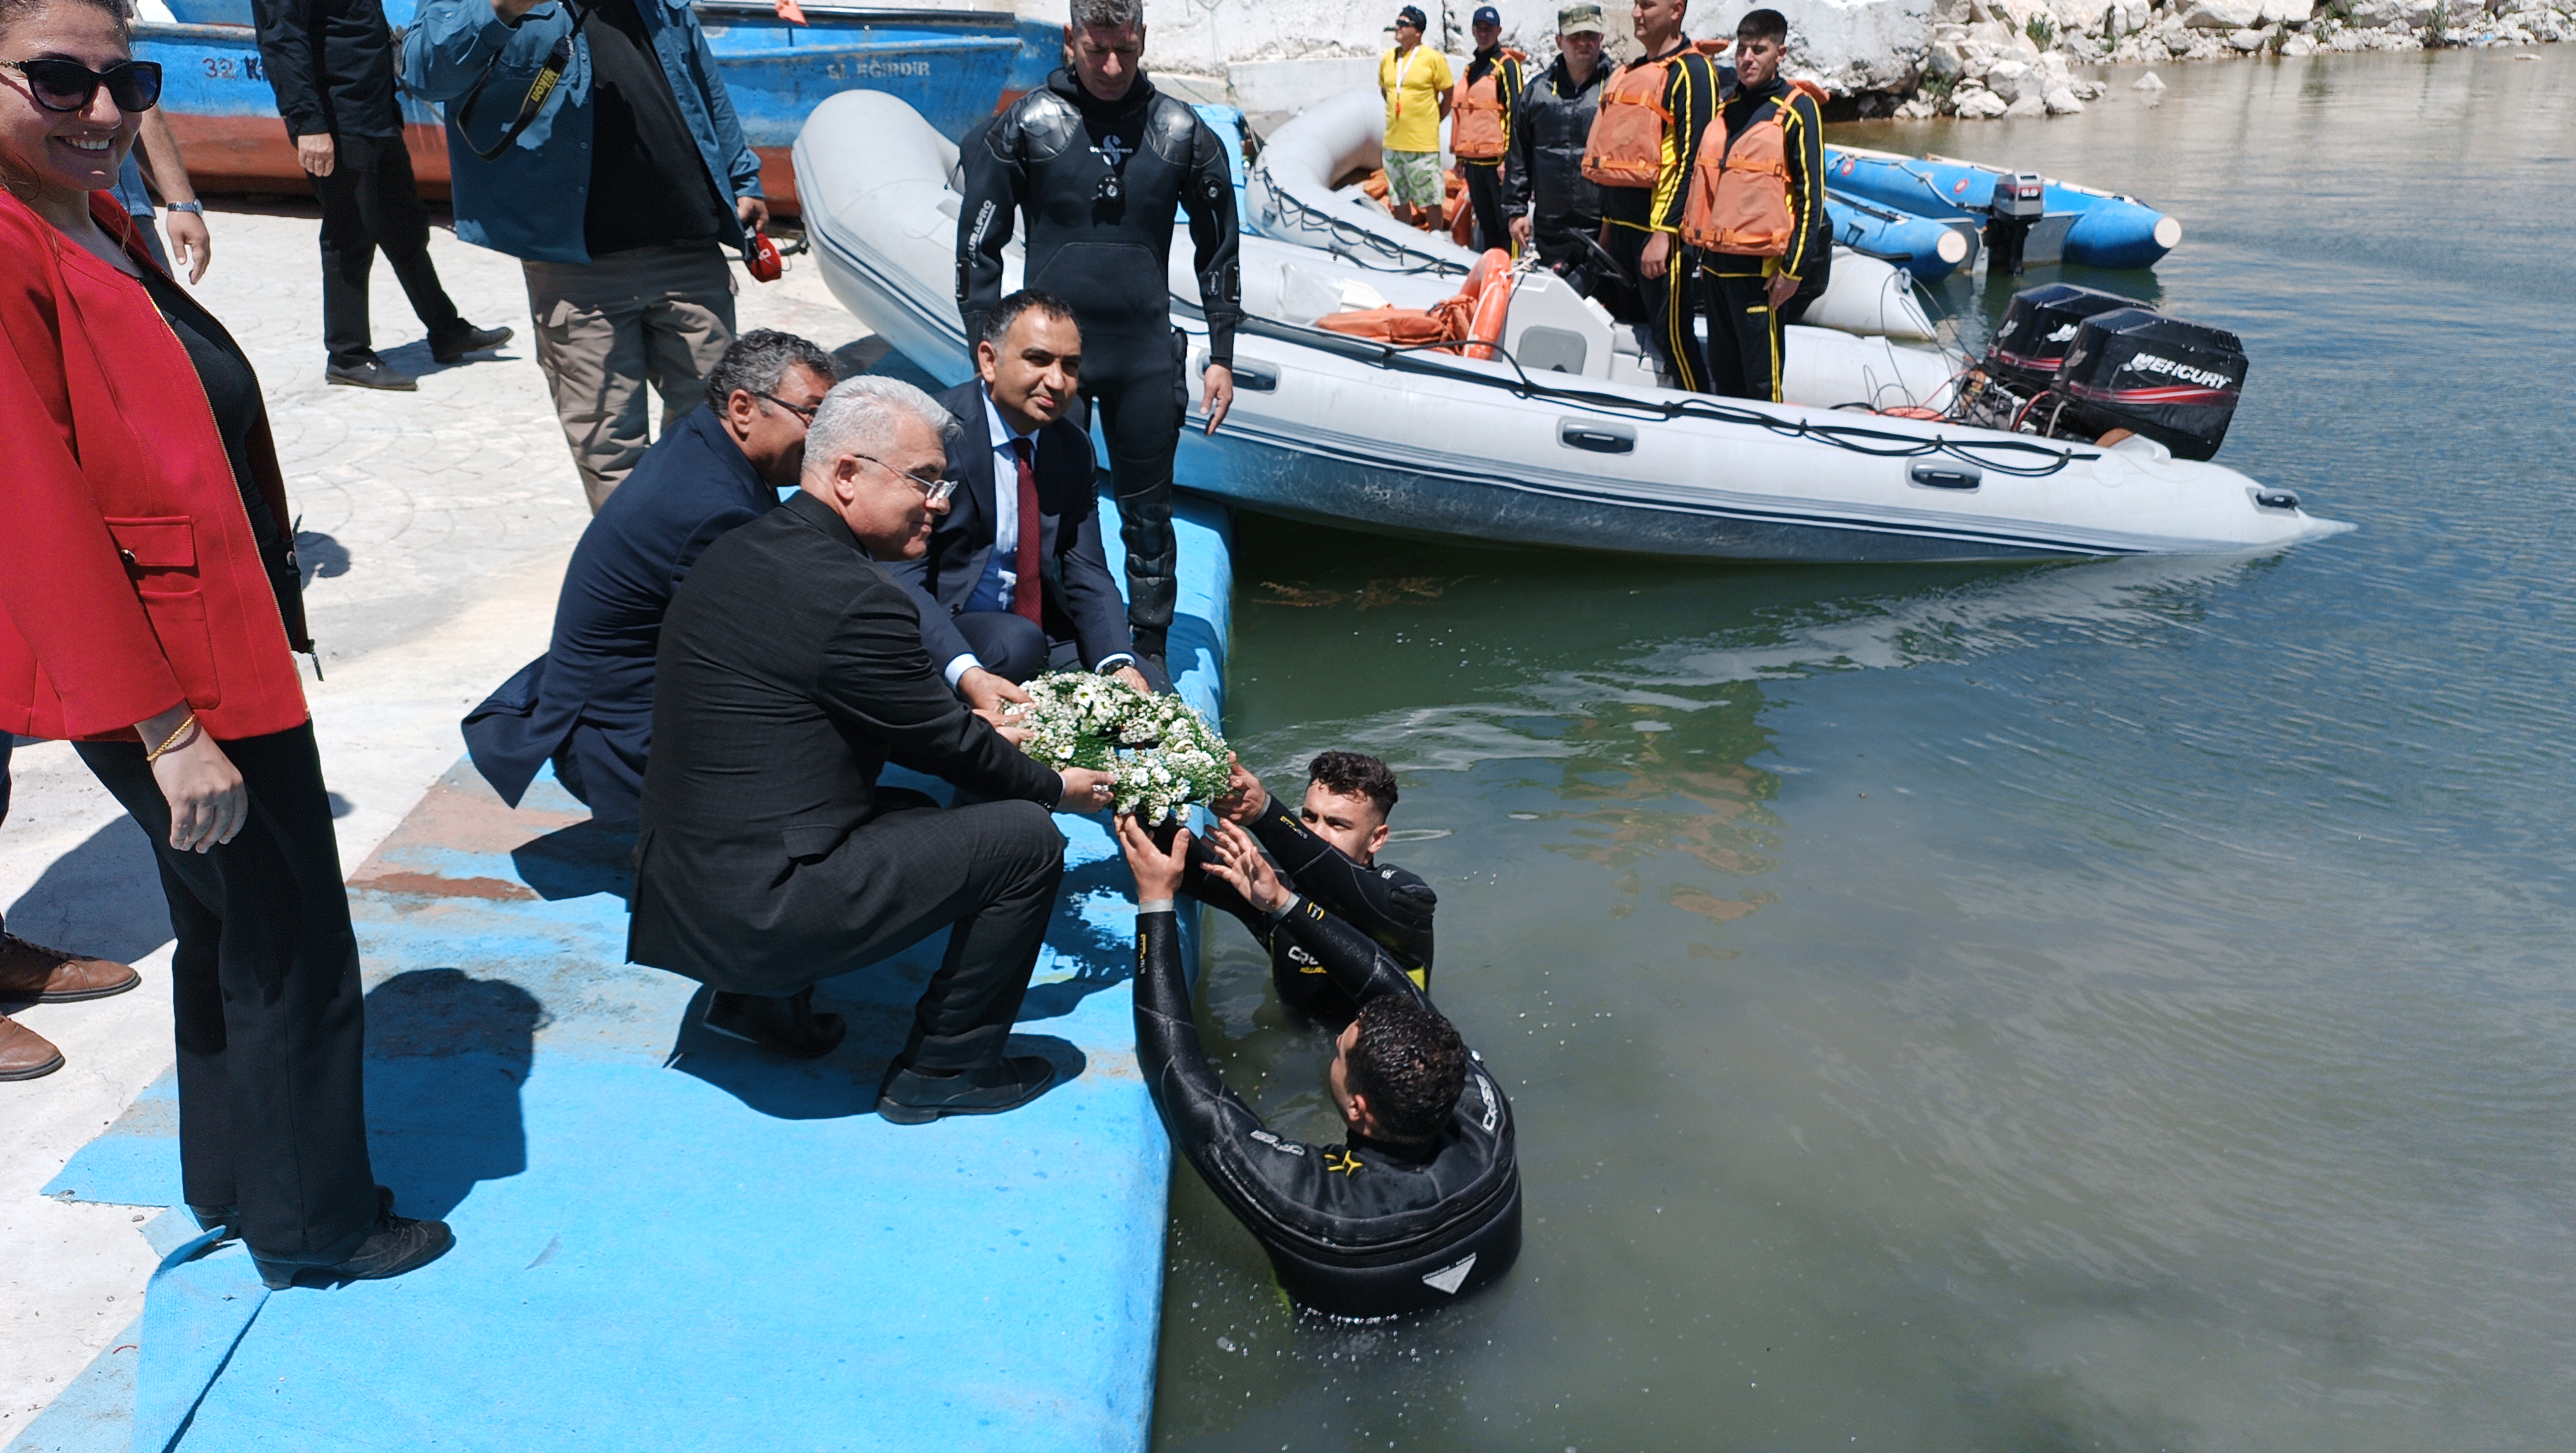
<point>1294,199</point>
<point>1553,442</point>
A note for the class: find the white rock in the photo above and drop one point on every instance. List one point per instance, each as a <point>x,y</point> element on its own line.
<point>2089,90</point>
<point>2080,17</point>
<point>2288,12</point>
<point>2298,45</point>
<point>1917,109</point>
<point>2247,40</point>
<point>1944,61</point>
<point>2062,102</point>
<point>1977,104</point>
<point>2148,82</point>
<point>2378,14</point>
<point>2053,72</point>
<point>2221,14</point>
<point>2028,108</point>
<point>2012,80</point>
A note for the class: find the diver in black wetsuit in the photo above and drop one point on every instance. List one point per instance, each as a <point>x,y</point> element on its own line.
<point>1327,850</point>
<point>1100,161</point>
<point>1422,1202</point>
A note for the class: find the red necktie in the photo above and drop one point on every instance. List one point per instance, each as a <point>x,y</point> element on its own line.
<point>1024,591</point>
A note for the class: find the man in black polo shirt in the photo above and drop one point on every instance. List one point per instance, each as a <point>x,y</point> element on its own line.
<point>331,63</point>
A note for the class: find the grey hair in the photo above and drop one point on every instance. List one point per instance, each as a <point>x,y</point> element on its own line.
<point>758,361</point>
<point>859,416</point>
<point>1108,14</point>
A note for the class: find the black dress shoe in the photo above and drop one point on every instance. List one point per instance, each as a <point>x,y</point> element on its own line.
<point>472,340</point>
<point>396,1245</point>
<point>911,1097</point>
<point>371,374</point>
<point>786,1026</point>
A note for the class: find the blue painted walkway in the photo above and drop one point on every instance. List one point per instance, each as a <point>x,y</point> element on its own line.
<point>666,1240</point>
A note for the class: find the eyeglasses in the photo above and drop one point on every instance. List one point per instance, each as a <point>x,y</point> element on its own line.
<point>67,86</point>
<point>933,490</point>
<point>799,410</point>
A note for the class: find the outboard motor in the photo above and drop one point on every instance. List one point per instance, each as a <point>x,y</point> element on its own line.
<point>2019,199</point>
<point>2137,369</point>
<point>2021,363</point>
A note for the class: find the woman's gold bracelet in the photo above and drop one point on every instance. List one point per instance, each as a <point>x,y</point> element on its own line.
<point>186,725</point>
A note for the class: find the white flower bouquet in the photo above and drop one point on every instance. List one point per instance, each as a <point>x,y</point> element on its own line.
<point>1165,754</point>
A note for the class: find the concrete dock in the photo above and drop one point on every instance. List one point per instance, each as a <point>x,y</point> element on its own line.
<point>662,1242</point>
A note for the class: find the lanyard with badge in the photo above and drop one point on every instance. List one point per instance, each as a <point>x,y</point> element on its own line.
<point>549,75</point>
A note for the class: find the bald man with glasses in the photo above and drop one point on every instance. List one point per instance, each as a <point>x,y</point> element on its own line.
<point>791,670</point>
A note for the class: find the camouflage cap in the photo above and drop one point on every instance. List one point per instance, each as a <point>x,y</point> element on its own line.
<point>1581,20</point>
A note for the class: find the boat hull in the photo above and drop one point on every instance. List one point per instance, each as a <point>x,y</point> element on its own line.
<point>2106,231</point>
<point>1330,428</point>
<point>1930,250</point>
<point>951,67</point>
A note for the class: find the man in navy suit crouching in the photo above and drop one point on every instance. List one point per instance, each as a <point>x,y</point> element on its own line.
<point>1004,596</point>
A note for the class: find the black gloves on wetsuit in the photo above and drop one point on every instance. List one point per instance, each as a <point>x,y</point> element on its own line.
<point>1100,182</point>
<point>1363,1229</point>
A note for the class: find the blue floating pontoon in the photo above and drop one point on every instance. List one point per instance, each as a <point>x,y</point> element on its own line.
<point>1930,250</point>
<point>2108,231</point>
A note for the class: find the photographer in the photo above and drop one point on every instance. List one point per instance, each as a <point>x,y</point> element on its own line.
<point>617,174</point>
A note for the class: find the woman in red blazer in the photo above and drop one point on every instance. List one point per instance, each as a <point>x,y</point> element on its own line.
<point>149,611</point>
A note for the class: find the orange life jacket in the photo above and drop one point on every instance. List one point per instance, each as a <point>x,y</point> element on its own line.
<point>1474,316</point>
<point>1739,195</point>
<point>1626,148</point>
<point>1479,121</point>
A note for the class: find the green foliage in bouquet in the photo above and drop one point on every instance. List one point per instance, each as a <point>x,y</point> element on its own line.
<point>1165,754</point>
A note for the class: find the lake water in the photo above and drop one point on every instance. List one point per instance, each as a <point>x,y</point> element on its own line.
<point>2119,1005</point>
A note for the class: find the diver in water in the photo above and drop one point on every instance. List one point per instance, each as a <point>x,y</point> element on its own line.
<point>1100,162</point>
<point>1421,1203</point>
<point>1327,848</point>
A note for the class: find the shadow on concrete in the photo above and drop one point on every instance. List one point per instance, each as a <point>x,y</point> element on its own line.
<point>1100,957</point>
<point>319,556</point>
<point>578,861</point>
<point>103,898</point>
<point>447,1054</point>
<point>876,1002</point>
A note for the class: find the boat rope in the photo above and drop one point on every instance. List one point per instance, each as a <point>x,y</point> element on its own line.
<point>1342,229</point>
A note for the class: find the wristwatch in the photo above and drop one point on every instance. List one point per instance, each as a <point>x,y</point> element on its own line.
<point>191,206</point>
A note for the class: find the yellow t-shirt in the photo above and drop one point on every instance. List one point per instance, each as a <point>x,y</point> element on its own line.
<point>1413,87</point>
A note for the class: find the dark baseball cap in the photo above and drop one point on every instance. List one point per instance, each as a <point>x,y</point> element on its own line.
<point>1412,15</point>
<point>1488,15</point>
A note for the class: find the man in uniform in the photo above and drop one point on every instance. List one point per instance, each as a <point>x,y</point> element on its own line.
<point>1748,284</point>
<point>1642,223</point>
<point>1480,132</point>
<point>1545,194</point>
<point>1100,161</point>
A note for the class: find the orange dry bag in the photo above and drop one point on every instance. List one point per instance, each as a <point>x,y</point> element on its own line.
<point>1478,126</point>
<point>1626,147</point>
<point>1739,196</point>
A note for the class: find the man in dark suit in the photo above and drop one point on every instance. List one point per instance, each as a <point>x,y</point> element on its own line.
<point>1002,602</point>
<point>588,702</point>
<point>791,668</point>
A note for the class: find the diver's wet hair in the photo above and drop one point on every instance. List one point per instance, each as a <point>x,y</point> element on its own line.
<point>1410,1064</point>
<point>1355,774</point>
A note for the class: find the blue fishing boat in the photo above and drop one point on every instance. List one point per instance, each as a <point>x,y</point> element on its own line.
<point>953,66</point>
<point>2105,230</point>
<point>1930,250</point>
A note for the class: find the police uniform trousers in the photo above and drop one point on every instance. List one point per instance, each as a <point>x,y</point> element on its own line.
<point>1744,339</point>
<point>266,1006</point>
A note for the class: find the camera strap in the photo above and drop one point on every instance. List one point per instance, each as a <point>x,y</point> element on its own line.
<point>549,75</point>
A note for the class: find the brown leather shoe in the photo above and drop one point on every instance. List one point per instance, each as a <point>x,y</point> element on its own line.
<point>32,973</point>
<point>24,1054</point>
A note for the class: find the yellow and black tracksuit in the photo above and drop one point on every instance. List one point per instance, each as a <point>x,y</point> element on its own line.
<point>1744,340</point>
<point>1485,178</point>
<point>1634,214</point>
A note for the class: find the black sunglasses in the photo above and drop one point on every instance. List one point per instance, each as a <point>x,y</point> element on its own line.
<point>61,85</point>
<point>799,410</point>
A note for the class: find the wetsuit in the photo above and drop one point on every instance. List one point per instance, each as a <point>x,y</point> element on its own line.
<point>1390,906</point>
<point>1544,177</point>
<point>1745,354</point>
<point>1100,182</point>
<point>1361,1229</point>
<point>1635,214</point>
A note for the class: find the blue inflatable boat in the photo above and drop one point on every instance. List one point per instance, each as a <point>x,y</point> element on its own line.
<point>1928,249</point>
<point>2108,231</point>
